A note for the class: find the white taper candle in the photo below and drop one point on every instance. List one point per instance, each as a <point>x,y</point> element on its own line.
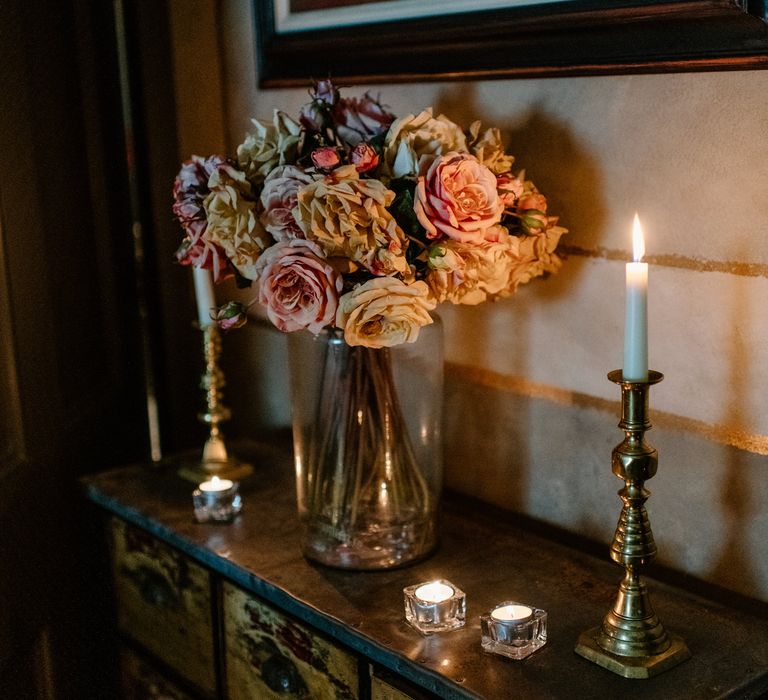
<point>204,296</point>
<point>636,316</point>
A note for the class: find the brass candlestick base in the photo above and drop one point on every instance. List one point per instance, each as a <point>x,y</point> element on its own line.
<point>215,461</point>
<point>632,641</point>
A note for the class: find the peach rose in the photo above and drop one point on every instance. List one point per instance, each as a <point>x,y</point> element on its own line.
<point>297,286</point>
<point>383,312</point>
<point>458,198</point>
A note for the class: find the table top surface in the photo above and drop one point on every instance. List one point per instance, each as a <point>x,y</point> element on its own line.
<point>489,558</point>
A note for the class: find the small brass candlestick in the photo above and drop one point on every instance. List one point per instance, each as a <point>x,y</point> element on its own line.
<point>216,461</point>
<point>632,642</point>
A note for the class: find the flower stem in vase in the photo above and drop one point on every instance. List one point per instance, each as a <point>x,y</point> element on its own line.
<point>366,494</point>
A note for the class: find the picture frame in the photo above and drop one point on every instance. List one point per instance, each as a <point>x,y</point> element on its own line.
<point>299,39</point>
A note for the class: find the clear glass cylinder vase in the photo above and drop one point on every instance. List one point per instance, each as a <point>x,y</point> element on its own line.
<point>367,447</point>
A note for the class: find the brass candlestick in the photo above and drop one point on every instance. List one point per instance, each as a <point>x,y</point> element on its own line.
<point>632,641</point>
<point>216,461</point>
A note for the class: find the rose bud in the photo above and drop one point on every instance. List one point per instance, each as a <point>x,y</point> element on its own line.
<point>231,315</point>
<point>534,221</point>
<point>364,157</point>
<point>326,158</point>
<point>533,200</point>
<point>509,188</point>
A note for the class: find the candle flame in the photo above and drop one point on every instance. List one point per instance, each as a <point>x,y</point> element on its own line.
<point>214,479</point>
<point>638,242</point>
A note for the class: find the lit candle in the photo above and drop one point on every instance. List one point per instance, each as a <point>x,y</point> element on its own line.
<point>636,317</point>
<point>435,592</point>
<point>435,606</point>
<point>204,296</point>
<point>512,613</point>
<point>216,500</point>
<point>215,484</point>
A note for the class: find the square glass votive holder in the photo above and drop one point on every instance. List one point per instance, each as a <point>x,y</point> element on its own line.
<point>435,606</point>
<point>216,500</point>
<point>514,630</point>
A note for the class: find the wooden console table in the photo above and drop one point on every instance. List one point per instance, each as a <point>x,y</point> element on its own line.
<point>235,611</point>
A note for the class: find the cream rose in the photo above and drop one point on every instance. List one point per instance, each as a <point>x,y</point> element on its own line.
<point>412,143</point>
<point>383,312</point>
<point>489,150</point>
<point>536,255</point>
<point>470,273</point>
<point>458,198</point>
<point>268,146</point>
<point>348,217</point>
<point>230,209</point>
<point>297,286</point>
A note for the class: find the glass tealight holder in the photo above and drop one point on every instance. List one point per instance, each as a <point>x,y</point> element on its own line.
<point>216,500</point>
<point>435,606</point>
<point>514,630</point>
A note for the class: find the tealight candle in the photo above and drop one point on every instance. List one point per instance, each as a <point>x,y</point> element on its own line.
<point>216,500</point>
<point>512,613</point>
<point>434,606</point>
<point>216,484</point>
<point>513,630</point>
<point>435,592</point>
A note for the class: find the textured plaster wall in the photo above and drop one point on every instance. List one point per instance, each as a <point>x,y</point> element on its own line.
<point>531,417</point>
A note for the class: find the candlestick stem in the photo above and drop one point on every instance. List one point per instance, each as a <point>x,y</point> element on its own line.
<point>216,459</point>
<point>631,641</point>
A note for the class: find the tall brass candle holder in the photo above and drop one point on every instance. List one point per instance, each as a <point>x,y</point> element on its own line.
<point>216,460</point>
<point>631,641</point>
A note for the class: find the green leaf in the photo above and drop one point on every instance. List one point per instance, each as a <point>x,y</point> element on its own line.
<point>402,209</point>
<point>241,282</point>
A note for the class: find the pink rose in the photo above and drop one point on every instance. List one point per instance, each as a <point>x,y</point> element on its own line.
<point>279,198</point>
<point>458,198</point>
<point>297,286</point>
<point>325,91</point>
<point>361,118</point>
<point>326,158</point>
<point>364,157</point>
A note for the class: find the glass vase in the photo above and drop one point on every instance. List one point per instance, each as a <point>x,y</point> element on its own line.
<point>367,447</point>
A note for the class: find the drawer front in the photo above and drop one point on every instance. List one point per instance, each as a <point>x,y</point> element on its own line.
<point>381,690</point>
<point>164,603</point>
<point>272,657</point>
<point>140,680</point>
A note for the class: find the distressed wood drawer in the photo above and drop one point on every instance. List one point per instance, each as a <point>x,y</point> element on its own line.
<point>164,603</point>
<point>141,680</point>
<point>381,690</point>
<point>270,656</point>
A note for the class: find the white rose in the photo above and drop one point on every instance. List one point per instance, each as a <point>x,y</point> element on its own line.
<point>268,146</point>
<point>412,143</point>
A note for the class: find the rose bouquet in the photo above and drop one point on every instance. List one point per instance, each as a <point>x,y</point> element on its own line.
<point>355,223</point>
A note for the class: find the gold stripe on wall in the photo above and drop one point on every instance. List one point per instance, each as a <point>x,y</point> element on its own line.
<point>722,434</point>
<point>684,262</point>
